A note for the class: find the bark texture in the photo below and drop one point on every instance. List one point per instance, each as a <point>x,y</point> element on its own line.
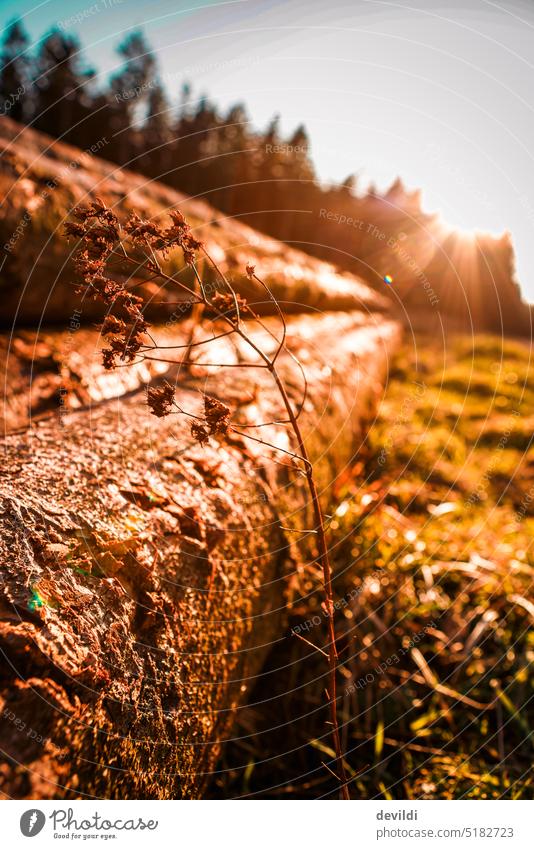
<point>144,576</point>
<point>46,371</point>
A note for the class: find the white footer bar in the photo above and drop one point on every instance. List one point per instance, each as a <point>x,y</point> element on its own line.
<point>254,824</point>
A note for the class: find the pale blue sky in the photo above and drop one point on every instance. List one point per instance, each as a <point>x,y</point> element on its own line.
<point>442,94</point>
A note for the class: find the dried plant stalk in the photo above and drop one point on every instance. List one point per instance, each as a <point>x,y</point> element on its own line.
<point>141,244</point>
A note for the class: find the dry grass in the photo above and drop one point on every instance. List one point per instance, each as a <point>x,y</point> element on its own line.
<point>436,648</point>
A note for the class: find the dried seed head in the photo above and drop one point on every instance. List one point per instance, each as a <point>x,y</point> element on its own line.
<point>99,232</point>
<point>179,233</point>
<point>226,303</point>
<point>160,399</point>
<point>217,416</point>
<point>77,231</point>
<point>216,421</point>
<point>200,433</point>
<point>111,325</point>
<point>108,358</point>
<point>144,233</point>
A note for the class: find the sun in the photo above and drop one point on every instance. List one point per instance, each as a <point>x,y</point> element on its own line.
<point>466,234</point>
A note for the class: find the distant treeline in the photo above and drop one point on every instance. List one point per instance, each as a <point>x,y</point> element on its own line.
<point>263,178</point>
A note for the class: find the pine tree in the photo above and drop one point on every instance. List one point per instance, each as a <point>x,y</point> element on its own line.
<point>301,165</point>
<point>195,159</point>
<point>15,74</point>
<point>129,93</point>
<point>234,161</point>
<point>348,187</point>
<point>157,134</point>
<point>63,89</point>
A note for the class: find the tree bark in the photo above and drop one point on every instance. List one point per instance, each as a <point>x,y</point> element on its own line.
<point>144,576</point>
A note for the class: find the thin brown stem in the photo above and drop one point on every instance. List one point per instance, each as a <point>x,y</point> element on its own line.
<point>206,365</point>
<point>323,552</point>
<point>162,274</point>
<point>159,347</point>
<point>199,301</point>
<point>324,561</point>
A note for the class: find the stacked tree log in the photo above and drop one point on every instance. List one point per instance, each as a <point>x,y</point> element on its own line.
<point>42,181</point>
<point>143,576</point>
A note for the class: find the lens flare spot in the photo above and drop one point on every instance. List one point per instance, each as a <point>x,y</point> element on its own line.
<point>36,601</point>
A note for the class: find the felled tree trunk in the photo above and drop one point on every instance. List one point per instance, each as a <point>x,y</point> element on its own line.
<point>43,180</point>
<point>42,372</point>
<point>143,576</point>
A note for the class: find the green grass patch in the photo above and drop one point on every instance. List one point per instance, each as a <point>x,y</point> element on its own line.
<point>434,564</point>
